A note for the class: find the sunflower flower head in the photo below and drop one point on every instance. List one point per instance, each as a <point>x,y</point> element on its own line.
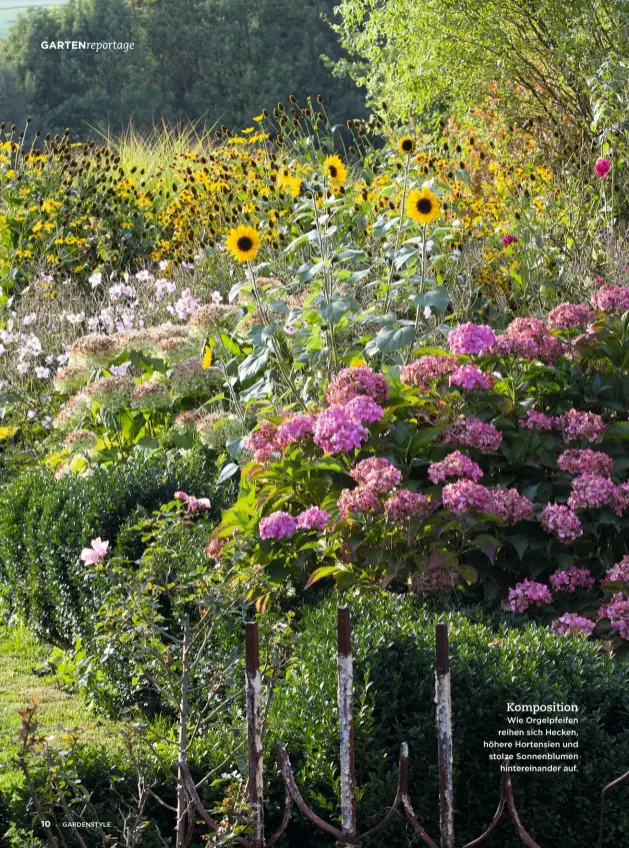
<point>422,205</point>
<point>335,171</point>
<point>406,145</point>
<point>243,243</point>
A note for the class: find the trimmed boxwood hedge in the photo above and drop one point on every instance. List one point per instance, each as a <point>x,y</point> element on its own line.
<point>492,664</point>
<point>45,522</point>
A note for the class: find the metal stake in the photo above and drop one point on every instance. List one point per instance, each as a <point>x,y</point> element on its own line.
<point>345,667</point>
<point>443,699</point>
<point>255,788</point>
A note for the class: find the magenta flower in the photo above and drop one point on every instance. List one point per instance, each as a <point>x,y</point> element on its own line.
<point>364,410</point>
<point>471,338</point>
<point>526,594</point>
<point>472,433</point>
<point>455,464</point>
<point>611,299</point>
<point>180,496</point>
<point>295,429</point>
<point>196,504</point>
<point>568,315</point>
<point>586,462</point>
<point>357,501</point>
<point>352,382</point>
<point>470,377</point>
<point>576,425</point>
<point>620,571</point>
<point>404,505</point>
<point>591,491</point>
<point>97,551</point>
<point>618,613</point>
<point>602,167</point>
<point>313,519</point>
<point>278,525</point>
<point>538,421</point>
<point>570,623</point>
<point>510,506</point>
<point>466,496</point>
<point>428,368</point>
<point>571,579</point>
<point>378,474</point>
<point>561,522</point>
<point>337,432</point>
<point>509,239</point>
<point>263,442</point>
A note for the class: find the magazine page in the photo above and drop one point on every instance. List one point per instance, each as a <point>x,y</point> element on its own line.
<point>314,424</point>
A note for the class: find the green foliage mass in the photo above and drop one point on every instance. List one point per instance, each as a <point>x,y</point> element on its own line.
<point>492,665</point>
<point>45,523</point>
<point>220,60</point>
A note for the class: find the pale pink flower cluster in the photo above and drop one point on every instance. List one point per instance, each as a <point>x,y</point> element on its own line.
<point>191,503</point>
<point>359,500</point>
<point>510,506</point>
<point>470,377</point>
<point>262,442</point>
<point>428,368</point>
<point>378,474</point>
<point>576,425</point>
<point>455,464</point>
<point>336,431</point>
<point>586,462</point>
<point>297,428</point>
<point>529,338</point>
<point>277,525</point>
<point>591,491</point>
<point>471,338</point>
<point>466,496</point>
<point>620,571</point>
<point>562,522</point>
<point>526,594</point>
<point>537,421</point>
<point>568,315</point>
<point>618,613</point>
<point>611,299</point>
<point>404,505</point>
<point>313,518</point>
<point>571,579</point>
<point>364,410</point>
<point>570,623</point>
<point>352,382</point>
<point>97,551</point>
<point>473,433</point>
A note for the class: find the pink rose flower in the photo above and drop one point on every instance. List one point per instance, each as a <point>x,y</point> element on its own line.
<point>602,167</point>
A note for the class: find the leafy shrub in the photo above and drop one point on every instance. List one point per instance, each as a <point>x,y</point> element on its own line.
<point>45,523</point>
<point>492,664</point>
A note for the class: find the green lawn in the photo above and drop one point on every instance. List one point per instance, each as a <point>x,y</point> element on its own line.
<point>9,9</point>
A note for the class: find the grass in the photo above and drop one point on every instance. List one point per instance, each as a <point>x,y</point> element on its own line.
<point>9,9</point>
<point>20,654</point>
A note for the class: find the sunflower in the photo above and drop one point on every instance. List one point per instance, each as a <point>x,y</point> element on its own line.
<point>406,144</point>
<point>243,243</point>
<point>422,205</point>
<point>335,170</point>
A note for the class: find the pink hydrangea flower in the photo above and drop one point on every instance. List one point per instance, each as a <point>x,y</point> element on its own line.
<point>358,501</point>
<point>180,496</point>
<point>466,496</point>
<point>570,623</point>
<point>561,522</point>
<point>526,594</point>
<point>576,425</point>
<point>529,338</point>
<point>471,338</point>
<point>538,421</point>
<point>602,166</point>
<point>510,506</point>
<point>313,519</point>
<point>337,432</point>
<point>620,571</point>
<point>455,464</point>
<point>509,239</point>
<point>364,410</point>
<point>97,551</point>
<point>470,377</point>
<point>278,525</point>
<point>571,579</point>
<point>262,442</point>
<point>404,505</point>
<point>297,428</point>
<point>428,368</point>
<point>611,299</point>
<point>378,474</point>
<point>568,315</point>
<point>352,382</point>
<point>618,613</point>
<point>591,491</point>
<point>214,548</point>
<point>196,504</point>
<point>586,462</point>
<point>473,433</point>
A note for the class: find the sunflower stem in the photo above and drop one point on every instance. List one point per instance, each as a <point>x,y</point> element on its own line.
<point>387,301</point>
<point>418,313</point>
<point>328,286</point>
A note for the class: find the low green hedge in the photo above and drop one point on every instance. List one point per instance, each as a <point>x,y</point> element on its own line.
<point>492,664</point>
<point>45,522</point>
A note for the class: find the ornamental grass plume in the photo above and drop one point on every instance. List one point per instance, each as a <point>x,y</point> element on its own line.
<point>93,351</point>
<point>112,393</point>
<point>150,395</point>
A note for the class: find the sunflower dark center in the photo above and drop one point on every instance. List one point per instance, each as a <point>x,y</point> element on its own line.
<point>407,144</point>
<point>333,171</point>
<point>244,243</point>
<point>424,205</point>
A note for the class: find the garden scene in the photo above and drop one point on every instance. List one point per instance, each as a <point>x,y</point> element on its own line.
<point>333,314</point>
